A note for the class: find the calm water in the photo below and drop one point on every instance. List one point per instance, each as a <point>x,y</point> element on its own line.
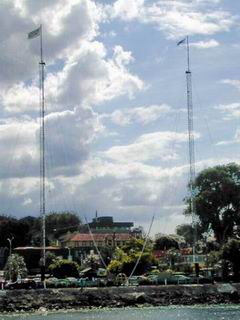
<point>163,313</point>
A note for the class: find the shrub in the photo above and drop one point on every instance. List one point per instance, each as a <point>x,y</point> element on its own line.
<point>64,268</point>
<point>15,267</point>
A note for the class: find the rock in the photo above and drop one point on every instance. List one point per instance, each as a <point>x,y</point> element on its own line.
<point>43,300</point>
<point>226,288</point>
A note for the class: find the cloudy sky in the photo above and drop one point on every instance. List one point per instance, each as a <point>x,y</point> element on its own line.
<point>116,119</point>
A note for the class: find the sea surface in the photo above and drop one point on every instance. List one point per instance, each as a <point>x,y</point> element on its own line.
<point>221,312</point>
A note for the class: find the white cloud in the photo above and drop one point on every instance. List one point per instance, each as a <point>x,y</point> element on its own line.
<point>176,18</point>
<point>69,136</point>
<point>87,77</point>
<point>80,71</point>
<point>18,144</point>
<point>205,44</point>
<point>230,111</point>
<point>60,19</point>
<point>143,115</point>
<point>65,25</point>
<point>84,72</point>
<point>147,147</point>
<point>127,10</point>
<point>134,189</point>
<point>20,98</point>
<point>133,179</point>
<point>234,83</point>
<point>235,140</point>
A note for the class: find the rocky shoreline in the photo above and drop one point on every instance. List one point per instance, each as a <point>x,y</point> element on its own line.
<point>57,299</point>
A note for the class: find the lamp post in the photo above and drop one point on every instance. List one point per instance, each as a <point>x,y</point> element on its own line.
<point>10,245</point>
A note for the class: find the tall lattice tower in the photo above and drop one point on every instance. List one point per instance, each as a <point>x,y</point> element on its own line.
<point>191,150</point>
<point>191,146</point>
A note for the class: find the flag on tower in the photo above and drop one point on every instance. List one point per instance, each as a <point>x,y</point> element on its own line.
<point>181,42</point>
<point>35,33</point>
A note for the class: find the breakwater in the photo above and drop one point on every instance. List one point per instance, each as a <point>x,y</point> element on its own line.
<point>55,299</point>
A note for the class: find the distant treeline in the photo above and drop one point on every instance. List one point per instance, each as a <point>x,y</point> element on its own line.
<point>27,231</point>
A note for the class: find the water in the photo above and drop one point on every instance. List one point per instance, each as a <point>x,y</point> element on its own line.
<point>162,313</point>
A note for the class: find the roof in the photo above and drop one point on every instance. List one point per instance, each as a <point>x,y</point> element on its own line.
<point>36,248</point>
<point>67,236</point>
<point>101,237</point>
<point>107,221</point>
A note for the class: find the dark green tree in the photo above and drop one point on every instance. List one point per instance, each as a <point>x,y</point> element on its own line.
<point>64,268</point>
<point>230,252</point>
<point>186,231</point>
<point>50,258</point>
<point>217,199</point>
<point>27,231</point>
<point>10,227</point>
<point>165,243</point>
<point>58,223</point>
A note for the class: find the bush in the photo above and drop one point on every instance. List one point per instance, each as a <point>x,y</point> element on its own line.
<point>15,267</point>
<point>64,268</point>
<point>230,253</point>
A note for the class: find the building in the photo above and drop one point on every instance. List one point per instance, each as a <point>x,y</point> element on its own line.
<point>32,256</point>
<point>86,240</point>
<point>104,234</point>
<point>106,224</point>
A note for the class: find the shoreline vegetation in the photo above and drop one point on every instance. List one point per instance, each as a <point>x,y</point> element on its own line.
<point>41,300</point>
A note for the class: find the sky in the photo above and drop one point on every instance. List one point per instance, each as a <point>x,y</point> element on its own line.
<point>116,117</point>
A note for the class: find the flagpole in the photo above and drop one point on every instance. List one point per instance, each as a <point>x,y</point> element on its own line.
<point>42,155</point>
<point>188,55</point>
<point>191,153</point>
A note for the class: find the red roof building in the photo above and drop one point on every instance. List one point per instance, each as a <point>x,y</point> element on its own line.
<point>86,240</point>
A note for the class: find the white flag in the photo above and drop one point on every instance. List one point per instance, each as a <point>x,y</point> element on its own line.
<point>35,33</point>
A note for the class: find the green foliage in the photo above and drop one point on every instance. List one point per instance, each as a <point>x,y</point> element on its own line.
<point>115,266</point>
<point>214,258</point>
<point>92,260</point>
<point>107,253</point>
<point>11,227</point>
<point>230,252</point>
<point>61,222</point>
<point>165,243</point>
<point>15,267</point>
<point>217,200</point>
<point>50,258</point>
<point>27,230</point>
<point>185,231</point>
<point>124,259</point>
<point>64,268</point>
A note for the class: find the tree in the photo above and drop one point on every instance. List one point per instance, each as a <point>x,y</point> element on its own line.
<point>58,223</point>
<point>11,227</point>
<point>230,252</point>
<point>34,234</point>
<point>125,258</point>
<point>64,268</point>
<point>217,200</point>
<point>165,243</point>
<point>186,231</point>
<point>50,258</point>
<point>15,267</point>
<point>92,260</point>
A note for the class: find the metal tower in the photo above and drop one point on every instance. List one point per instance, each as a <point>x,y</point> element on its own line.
<point>42,152</point>
<point>31,35</point>
<point>191,150</point>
